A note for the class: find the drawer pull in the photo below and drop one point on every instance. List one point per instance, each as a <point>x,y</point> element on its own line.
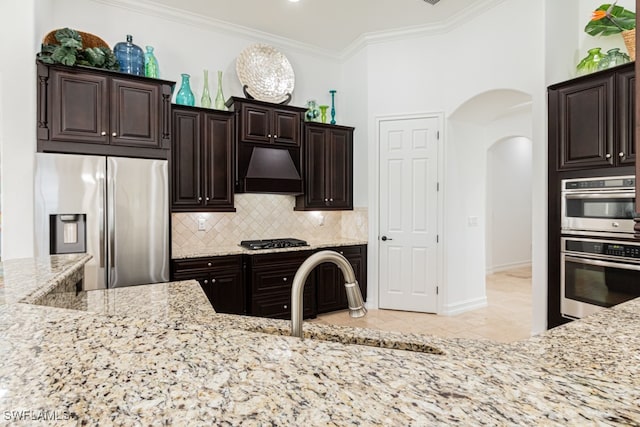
<point>284,279</point>
<point>213,280</point>
<point>206,282</point>
<point>103,133</point>
<point>286,306</point>
<point>208,264</point>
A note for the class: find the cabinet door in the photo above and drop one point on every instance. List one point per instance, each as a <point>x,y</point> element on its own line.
<point>625,109</point>
<point>585,118</point>
<point>340,169</point>
<point>135,114</point>
<point>79,107</point>
<point>286,127</point>
<point>218,135</point>
<point>331,293</point>
<point>186,160</point>
<point>255,123</point>
<point>315,169</point>
<point>225,291</point>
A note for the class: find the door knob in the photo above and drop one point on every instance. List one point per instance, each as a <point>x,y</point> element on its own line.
<point>385,238</point>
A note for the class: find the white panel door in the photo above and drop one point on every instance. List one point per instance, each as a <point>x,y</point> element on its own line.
<point>408,214</point>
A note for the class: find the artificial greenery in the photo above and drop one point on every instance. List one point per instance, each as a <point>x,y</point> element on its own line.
<point>610,19</point>
<point>69,51</point>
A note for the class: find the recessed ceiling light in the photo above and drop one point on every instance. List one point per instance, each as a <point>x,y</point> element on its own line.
<point>294,1</point>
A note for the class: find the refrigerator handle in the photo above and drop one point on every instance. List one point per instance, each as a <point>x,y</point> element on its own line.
<point>103,218</point>
<point>111,220</point>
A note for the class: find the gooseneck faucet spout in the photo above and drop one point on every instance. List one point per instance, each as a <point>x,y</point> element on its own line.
<point>354,296</point>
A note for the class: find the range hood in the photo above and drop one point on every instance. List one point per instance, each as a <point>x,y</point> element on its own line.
<point>268,170</point>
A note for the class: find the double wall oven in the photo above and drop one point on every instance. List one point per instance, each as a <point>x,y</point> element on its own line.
<point>599,260</point>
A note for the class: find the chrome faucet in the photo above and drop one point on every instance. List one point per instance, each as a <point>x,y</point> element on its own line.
<point>354,296</point>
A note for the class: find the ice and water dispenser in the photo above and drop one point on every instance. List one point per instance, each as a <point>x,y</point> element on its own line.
<point>67,233</point>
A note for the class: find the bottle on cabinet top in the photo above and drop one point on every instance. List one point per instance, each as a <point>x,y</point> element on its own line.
<point>130,57</point>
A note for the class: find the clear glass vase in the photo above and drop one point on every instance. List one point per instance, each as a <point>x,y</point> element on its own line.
<point>185,95</point>
<point>205,99</point>
<point>219,103</point>
<point>613,58</point>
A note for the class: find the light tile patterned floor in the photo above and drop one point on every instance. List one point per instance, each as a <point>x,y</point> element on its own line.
<point>507,317</point>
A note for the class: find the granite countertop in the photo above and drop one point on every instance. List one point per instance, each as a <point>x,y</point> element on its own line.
<point>180,253</point>
<point>159,355</point>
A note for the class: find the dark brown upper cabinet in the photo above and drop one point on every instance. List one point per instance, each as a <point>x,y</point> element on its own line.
<point>266,123</point>
<point>328,168</point>
<point>92,111</point>
<point>592,119</point>
<point>202,162</point>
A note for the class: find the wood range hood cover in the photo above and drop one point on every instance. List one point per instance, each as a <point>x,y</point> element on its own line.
<point>268,170</point>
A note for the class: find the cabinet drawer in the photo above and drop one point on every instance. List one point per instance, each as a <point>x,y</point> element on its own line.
<point>269,281</point>
<point>206,263</point>
<point>294,258</point>
<point>347,251</point>
<point>279,306</point>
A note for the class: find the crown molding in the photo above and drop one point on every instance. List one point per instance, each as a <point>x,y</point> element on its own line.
<point>441,27</point>
<point>169,13</point>
<point>147,7</point>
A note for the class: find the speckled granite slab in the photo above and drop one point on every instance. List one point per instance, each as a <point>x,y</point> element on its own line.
<point>121,366</point>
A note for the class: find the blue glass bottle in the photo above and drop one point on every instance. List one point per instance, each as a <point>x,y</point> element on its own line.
<point>130,57</point>
<point>151,68</point>
<point>185,96</point>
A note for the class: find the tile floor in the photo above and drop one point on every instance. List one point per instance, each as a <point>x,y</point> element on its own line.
<point>507,318</point>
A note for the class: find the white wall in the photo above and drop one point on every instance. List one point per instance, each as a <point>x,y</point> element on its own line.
<point>508,221</point>
<point>19,28</point>
<point>184,43</point>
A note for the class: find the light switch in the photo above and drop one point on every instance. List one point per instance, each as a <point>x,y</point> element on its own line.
<point>202,222</point>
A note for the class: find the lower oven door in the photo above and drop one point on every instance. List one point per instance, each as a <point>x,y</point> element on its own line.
<point>588,284</point>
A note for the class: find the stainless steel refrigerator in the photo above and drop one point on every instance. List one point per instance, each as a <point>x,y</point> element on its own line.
<point>114,208</point>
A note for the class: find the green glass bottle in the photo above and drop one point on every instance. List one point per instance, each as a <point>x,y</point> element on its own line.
<point>151,68</point>
<point>589,63</point>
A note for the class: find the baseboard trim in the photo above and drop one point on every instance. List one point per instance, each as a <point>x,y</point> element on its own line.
<point>464,306</point>
<point>504,267</point>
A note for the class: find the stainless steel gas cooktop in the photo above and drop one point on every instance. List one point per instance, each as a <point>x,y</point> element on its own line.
<point>272,243</point>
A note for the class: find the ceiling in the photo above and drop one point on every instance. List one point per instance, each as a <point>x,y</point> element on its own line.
<point>331,25</point>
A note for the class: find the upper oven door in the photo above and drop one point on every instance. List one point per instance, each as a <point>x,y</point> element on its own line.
<point>599,210</point>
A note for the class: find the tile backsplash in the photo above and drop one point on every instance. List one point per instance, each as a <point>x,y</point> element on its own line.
<point>265,216</point>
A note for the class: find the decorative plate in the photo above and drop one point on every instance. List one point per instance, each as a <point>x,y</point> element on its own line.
<point>266,72</point>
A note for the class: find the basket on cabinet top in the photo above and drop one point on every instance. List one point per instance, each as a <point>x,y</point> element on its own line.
<point>88,39</point>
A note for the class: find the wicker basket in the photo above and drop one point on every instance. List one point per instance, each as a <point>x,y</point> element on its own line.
<point>88,39</point>
<point>629,37</point>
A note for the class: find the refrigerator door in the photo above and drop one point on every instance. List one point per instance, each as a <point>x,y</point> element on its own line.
<point>138,221</point>
<point>67,184</point>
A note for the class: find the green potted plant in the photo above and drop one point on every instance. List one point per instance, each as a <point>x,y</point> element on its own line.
<point>609,19</point>
<point>70,51</point>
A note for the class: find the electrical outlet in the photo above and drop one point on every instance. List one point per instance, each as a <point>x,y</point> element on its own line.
<point>202,222</point>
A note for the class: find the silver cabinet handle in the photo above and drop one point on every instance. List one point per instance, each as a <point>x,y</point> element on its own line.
<point>284,279</point>
<point>615,224</point>
<point>114,134</point>
<point>326,200</point>
<point>331,200</point>
<point>103,133</point>
<point>207,199</point>
<point>275,136</point>
<point>208,264</point>
<point>607,156</point>
<point>269,136</point>
<point>286,306</point>
<point>621,154</point>
<point>213,280</point>
<point>206,281</point>
<point>199,199</point>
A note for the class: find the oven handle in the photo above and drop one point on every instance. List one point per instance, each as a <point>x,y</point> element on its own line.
<point>624,194</point>
<point>599,263</point>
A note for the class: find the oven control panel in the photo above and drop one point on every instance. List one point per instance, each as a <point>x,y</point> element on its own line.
<point>622,250</point>
<point>622,182</point>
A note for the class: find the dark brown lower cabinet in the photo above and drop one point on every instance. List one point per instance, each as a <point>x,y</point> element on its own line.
<point>260,284</point>
<point>270,282</point>
<point>221,279</point>
<point>330,281</point>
